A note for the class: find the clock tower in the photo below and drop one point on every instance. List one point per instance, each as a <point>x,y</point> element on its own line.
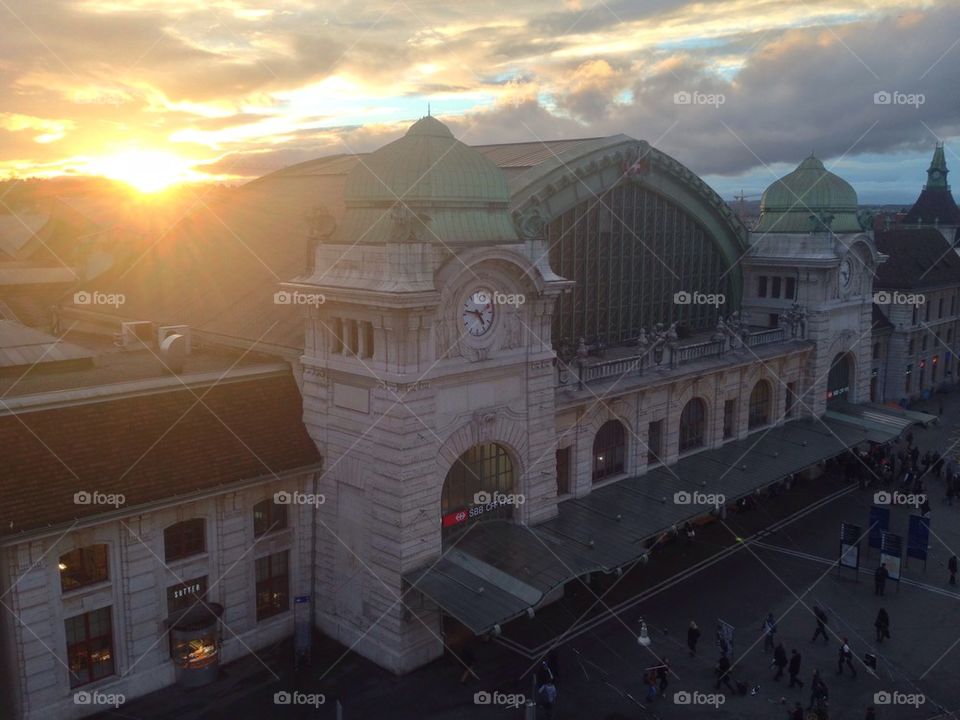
<point>428,363</point>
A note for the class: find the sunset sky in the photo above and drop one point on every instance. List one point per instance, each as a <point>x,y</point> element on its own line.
<point>155,91</point>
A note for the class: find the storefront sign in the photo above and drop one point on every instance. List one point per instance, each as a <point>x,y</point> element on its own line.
<point>497,501</point>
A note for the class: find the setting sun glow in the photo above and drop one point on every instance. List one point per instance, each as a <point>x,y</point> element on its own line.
<point>148,171</point>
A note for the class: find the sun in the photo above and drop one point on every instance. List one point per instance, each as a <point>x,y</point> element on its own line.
<point>148,171</point>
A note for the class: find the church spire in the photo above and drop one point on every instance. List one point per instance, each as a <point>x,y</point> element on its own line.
<point>937,172</point>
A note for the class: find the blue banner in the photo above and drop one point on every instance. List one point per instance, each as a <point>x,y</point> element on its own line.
<point>879,522</point>
<point>918,537</point>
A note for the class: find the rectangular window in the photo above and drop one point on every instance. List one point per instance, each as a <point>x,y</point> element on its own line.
<point>790,404</point>
<point>654,442</point>
<point>729,418</point>
<point>273,585</point>
<point>337,336</point>
<point>354,337</point>
<point>185,539</point>
<point>563,471</point>
<point>268,516</point>
<point>368,339</point>
<point>89,646</point>
<point>775,289</point>
<point>926,312</point>
<point>83,566</point>
<point>762,286</point>
<point>182,596</point>
<point>791,288</point>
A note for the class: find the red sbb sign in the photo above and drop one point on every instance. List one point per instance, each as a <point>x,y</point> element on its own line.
<point>455,518</point>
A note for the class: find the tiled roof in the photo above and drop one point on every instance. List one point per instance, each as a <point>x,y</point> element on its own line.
<point>934,205</point>
<point>149,448</point>
<point>919,258</point>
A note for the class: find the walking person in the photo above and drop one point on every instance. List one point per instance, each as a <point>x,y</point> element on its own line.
<point>880,579</point>
<point>845,657</point>
<point>952,567</point>
<point>882,624</point>
<point>821,624</point>
<point>769,632</point>
<point>693,637</point>
<point>723,674</point>
<point>794,668</point>
<point>779,660</point>
<point>662,672</point>
<point>818,690</point>
<point>650,681</point>
<point>547,695</point>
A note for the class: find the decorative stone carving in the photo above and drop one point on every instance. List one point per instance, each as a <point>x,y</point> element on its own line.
<point>407,225</point>
<point>531,224</point>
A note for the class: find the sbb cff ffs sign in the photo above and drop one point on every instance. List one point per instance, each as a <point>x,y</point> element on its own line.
<point>455,518</point>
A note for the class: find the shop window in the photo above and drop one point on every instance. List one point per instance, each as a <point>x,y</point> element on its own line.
<point>759,405</point>
<point>268,516</point>
<point>84,566</point>
<point>185,539</point>
<point>273,585</point>
<point>563,471</point>
<point>609,450</point>
<point>693,422</point>
<point>89,646</point>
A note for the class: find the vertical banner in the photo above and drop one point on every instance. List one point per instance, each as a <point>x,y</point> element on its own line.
<point>850,546</point>
<point>918,538</point>
<point>724,637</point>
<point>891,553</point>
<point>879,523</point>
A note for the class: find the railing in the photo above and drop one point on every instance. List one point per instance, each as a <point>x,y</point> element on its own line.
<point>612,368</point>
<point>698,351</point>
<point>765,337</point>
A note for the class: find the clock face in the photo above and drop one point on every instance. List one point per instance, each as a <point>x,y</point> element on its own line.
<point>477,312</point>
<point>845,272</point>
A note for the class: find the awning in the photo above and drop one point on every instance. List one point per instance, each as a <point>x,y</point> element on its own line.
<point>880,423</point>
<point>498,570</point>
<point>921,418</point>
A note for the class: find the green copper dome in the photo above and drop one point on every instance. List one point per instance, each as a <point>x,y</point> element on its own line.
<point>809,198</point>
<point>431,184</point>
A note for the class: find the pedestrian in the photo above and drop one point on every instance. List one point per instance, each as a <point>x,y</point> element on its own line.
<point>547,694</point>
<point>882,624</point>
<point>769,631</point>
<point>650,681</point>
<point>952,567</point>
<point>794,669</point>
<point>818,690</point>
<point>469,660</point>
<point>880,579</point>
<point>845,657</point>
<point>821,624</point>
<point>723,673</point>
<point>779,660</point>
<point>796,713</point>
<point>693,637</point>
<point>663,670</point>
<point>689,532</point>
<point>871,710</point>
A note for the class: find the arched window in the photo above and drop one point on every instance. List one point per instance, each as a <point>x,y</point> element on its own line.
<point>268,516</point>
<point>838,380</point>
<point>83,566</point>
<point>185,539</point>
<point>609,450</point>
<point>693,422</point>
<point>759,405</point>
<point>479,485</point>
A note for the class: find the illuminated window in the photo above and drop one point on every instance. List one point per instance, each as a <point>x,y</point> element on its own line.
<point>273,585</point>
<point>185,539</point>
<point>268,516</point>
<point>609,450</point>
<point>89,646</point>
<point>83,566</point>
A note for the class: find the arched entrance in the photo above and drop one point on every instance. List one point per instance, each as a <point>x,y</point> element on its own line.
<point>479,486</point>
<point>840,378</point>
